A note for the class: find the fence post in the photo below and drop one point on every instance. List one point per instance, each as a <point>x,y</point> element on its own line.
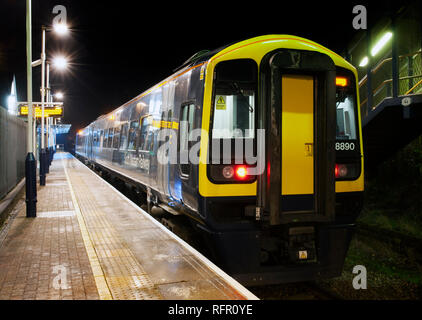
<point>394,58</point>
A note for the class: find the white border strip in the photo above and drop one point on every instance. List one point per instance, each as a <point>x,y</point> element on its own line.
<point>104,291</point>
<point>234,283</point>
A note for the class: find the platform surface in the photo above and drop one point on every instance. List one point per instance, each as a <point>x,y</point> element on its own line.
<point>90,242</point>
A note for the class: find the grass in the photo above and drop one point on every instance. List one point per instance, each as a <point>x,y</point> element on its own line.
<point>382,261</point>
<point>392,220</point>
<point>390,276</point>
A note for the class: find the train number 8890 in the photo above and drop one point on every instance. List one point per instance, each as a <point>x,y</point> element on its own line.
<point>345,146</point>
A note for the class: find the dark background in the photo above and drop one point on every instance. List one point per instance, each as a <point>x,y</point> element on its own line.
<point>119,49</point>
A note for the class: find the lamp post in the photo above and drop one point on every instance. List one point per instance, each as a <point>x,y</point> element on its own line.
<point>43,151</point>
<point>44,163</point>
<point>30,162</point>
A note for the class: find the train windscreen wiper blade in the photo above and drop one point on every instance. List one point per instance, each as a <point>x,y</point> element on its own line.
<point>239,91</point>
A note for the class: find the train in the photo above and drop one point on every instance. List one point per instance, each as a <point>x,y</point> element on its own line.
<point>258,144</point>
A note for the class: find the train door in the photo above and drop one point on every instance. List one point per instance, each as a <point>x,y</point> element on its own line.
<point>298,111</point>
<point>297,138</point>
<point>164,162</point>
<point>89,143</point>
<point>185,186</point>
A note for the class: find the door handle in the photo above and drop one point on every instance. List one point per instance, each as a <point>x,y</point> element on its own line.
<point>309,149</point>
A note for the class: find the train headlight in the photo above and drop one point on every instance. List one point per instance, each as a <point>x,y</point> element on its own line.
<point>228,172</point>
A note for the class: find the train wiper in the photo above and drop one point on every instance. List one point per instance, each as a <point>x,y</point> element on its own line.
<point>239,91</point>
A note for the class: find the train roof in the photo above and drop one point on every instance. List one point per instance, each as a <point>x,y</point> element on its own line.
<point>280,40</point>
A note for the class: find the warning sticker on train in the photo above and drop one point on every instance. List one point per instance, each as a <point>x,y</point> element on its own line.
<point>221,103</point>
<point>303,255</point>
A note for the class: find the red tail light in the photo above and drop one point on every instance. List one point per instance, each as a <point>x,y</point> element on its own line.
<point>341,171</point>
<point>241,172</point>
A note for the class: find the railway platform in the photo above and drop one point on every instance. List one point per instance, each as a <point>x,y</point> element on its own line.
<point>90,242</point>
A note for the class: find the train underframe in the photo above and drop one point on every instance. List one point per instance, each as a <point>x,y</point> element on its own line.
<point>258,254</point>
<point>252,252</point>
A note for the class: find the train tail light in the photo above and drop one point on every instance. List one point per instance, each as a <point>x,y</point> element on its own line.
<point>349,171</point>
<point>341,171</point>
<point>241,172</point>
<point>234,173</point>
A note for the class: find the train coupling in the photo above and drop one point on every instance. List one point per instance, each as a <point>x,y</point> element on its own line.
<point>301,244</point>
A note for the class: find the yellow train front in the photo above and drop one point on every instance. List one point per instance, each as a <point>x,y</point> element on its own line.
<point>286,211</point>
<point>266,159</point>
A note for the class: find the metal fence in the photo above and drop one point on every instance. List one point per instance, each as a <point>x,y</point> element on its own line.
<point>12,151</point>
<point>409,80</point>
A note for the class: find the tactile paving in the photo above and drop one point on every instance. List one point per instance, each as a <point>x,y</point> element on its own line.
<point>133,256</point>
<point>125,277</point>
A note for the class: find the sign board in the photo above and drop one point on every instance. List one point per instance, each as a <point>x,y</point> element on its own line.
<point>56,112</point>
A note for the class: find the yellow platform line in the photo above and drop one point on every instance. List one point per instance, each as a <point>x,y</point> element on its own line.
<point>100,280</point>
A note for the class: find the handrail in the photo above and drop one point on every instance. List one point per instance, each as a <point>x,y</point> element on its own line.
<point>381,63</point>
<point>377,89</point>
<point>414,87</point>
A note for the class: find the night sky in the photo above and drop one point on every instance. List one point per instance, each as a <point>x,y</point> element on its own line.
<point>119,49</point>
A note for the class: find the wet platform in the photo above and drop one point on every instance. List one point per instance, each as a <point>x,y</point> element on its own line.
<point>90,242</point>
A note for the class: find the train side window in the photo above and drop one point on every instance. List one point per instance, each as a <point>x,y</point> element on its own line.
<point>96,138</point>
<point>116,138</point>
<point>146,123</point>
<point>101,142</point>
<point>105,138</point>
<point>123,137</point>
<point>133,130</point>
<point>110,137</point>
<point>186,125</point>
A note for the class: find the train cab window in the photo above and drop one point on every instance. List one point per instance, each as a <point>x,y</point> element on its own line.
<point>346,116</point>
<point>234,100</point>
<point>133,132</point>
<point>123,137</point>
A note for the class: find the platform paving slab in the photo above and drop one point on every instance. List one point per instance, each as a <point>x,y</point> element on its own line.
<point>90,242</point>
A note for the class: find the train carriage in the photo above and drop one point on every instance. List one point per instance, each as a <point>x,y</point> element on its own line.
<point>259,143</point>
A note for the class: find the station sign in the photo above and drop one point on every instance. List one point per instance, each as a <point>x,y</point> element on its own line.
<point>56,111</point>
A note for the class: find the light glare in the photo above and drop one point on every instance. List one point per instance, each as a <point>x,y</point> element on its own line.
<point>364,62</point>
<point>59,95</point>
<point>381,43</point>
<point>60,63</point>
<point>61,29</point>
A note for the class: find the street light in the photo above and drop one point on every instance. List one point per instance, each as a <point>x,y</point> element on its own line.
<point>30,162</point>
<point>381,43</point>
<point>377,48</point>
<point>61,29</point>
<point>59,95</point>
<point>60,63</point>
<point>364,62</point>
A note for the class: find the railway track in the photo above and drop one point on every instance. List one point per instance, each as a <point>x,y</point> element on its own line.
<point>399,242</point>
<point>294,291</point>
